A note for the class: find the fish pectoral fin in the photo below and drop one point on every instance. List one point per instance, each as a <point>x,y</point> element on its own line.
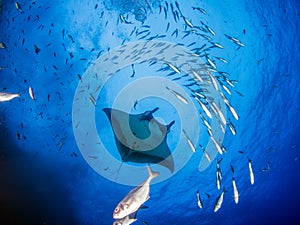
<point>143,207</point>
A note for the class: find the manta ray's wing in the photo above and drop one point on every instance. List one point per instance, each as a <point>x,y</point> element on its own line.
<point>141,126</point>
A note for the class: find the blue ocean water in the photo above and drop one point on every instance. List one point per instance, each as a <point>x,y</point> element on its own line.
<point>45,178</point>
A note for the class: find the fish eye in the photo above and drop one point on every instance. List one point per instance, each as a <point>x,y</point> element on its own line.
<point>117,223</point>
<point>117,210</point>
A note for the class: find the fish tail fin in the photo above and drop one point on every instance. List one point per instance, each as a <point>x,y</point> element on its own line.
<point>19,94</point>
<point>152,174</point>
<point>219,161</point>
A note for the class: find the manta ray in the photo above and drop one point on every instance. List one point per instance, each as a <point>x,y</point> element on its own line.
<point>140,138</point>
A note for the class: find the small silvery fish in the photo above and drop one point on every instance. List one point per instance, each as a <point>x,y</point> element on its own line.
<point>123,19</point>
<point>190,143</point>
<point>211,63</point>
<point>235,191</point>
<point>205,153</point>
<point>18,6</point>
<point>219,112</point>
<point>216,144</point>
<point>205,109</point>
<point>218,179</point>
<point>205,122</point>
<point>250,171</point>
<point>30,91</point>
<point>4,96</point>
<point>174,68</point>
<point>2,45</point>
<point>231,128</point>
<point>219,201</point>
<point>199,202</point>
<point>179,96</point>
<point>188,22</point>
<point>233,112</point>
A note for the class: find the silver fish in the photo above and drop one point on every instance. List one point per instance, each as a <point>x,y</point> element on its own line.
<point>216,144</point>
<point>226,89</point>
<point>205,122</point>
<point>190,143</point>
<point>210,30</point>
<point>201,10</point>
<point>205,153</point>
<point>235,191</point>
<point>197,76</point>
<point>30,91</point>
<point>232,110</point>
<point>231,128</point>
<point>219,201</point>
<point>222,59</point>
<point>5,96</point>
<point>239,43</point>
<point>123,19</point>
<point>219,163</point>
<point>125,221</point>
<point>205,109</point>
<point>223,149</point>
<point>199,202</point>
<point>218,181</point>
<point>229,82</point>
<point>215,44</point>
<point>19,8</point>
<point>211,63</point>
<point>235,40</point>
<point>214,82</point>
<point>188,22</point>
<point>250,171</point>
<point>177,95</point>
<point>219,112</point>
<point>2,45</point>
<point>174,68</point>
<point>135,198</point>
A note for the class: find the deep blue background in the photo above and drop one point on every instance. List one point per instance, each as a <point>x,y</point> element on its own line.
<point>43,177</point>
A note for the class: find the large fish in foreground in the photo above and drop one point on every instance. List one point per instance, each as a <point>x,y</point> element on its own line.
<point>135,198</point>
<point>4,96</point>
